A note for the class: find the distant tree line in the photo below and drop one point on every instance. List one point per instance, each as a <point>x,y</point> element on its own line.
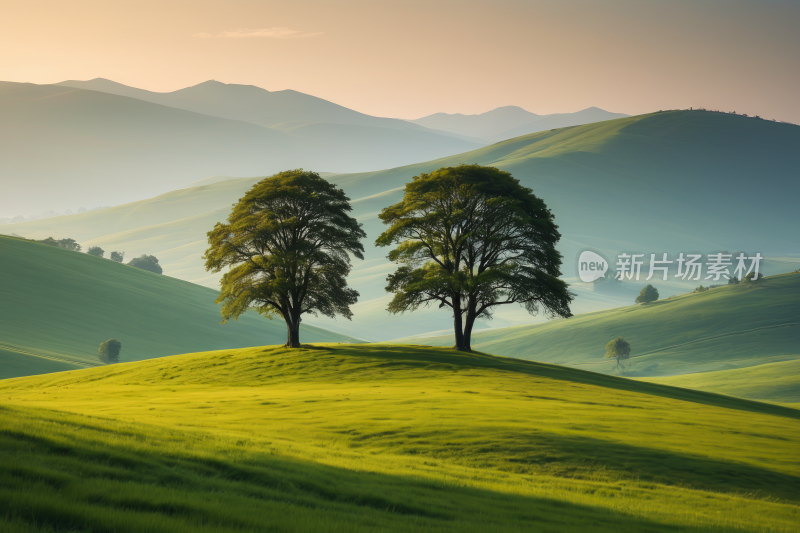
<point>144,262</point>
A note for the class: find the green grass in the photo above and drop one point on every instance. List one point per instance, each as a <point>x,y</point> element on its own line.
<point>58,306</point>
<point>386,438</point>
<point>721,329</point>
<point>770,382</point>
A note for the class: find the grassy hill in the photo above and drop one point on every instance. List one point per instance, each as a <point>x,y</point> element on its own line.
<point>58,306</point>
<point>386,438</point>
<point>677,181</point>
<point>770,382</point>
<point>718,330</point>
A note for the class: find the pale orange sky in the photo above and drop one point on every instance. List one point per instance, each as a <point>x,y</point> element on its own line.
<point>411,58</point>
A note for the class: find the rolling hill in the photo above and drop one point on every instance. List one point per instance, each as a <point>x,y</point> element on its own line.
<point>386,438</point>
<point>677,181</point>
<point>770,382</point>
<point>66,147</point>
<point>58,306</point>
<point>699,339</point>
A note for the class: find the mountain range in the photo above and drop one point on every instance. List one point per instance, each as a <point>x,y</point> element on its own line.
<point>510,121</point>
<point>99,142</point>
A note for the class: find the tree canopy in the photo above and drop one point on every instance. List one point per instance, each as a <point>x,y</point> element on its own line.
<point>67,244</point>
<point>109,351</point>
<point>96,251</point>
<point>647,294</point>
<point>117,256</point>
<point>146,262</point>
<point>618,349</point>
<point>471,238</point>
<point>287,245</point>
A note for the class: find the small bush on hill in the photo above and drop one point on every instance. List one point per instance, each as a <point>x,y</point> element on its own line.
<point>67,244</point>
<point>751,279</point>
<point>117,256</point>
<point>647,295</point>
<point>96,251</point>
<point>109,351</point>
<point>147,262</point>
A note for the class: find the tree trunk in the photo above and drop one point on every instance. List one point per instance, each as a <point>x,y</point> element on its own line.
<point>296,335</point>
<point>458,321</point>
<point>468,323</point>
<point>292,333</point>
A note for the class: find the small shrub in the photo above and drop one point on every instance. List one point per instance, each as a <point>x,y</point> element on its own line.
<point>109,351</point>
<point>647,295</point>
<point>96,251</point>
<point>117,256</point>
<point>146,262</point>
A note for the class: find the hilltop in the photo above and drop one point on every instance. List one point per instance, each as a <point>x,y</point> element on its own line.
<point>675,181</point>
<point>390,438</point>
<point>730,327</point>
<point>58,306</point>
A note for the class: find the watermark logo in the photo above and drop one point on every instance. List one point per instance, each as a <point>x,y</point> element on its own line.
<point>591,266</point>
<point>685,266</point>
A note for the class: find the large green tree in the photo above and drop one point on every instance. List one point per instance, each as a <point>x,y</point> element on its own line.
<point>471,238</point>
<point>287,245</point>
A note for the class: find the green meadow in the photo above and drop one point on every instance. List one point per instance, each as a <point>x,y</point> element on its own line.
<point>58,306</point>
<point>769,382</point>
<point>344,438</point>
<point>731,327</point>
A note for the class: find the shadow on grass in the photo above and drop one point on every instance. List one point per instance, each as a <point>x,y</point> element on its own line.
<point>440,358</point>
<point>54,477</point>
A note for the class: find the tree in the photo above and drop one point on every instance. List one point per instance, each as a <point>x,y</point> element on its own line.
<point>618,349</point>
<point>286,244</point>
<point>648,294</point>
<point>96,251</point>
<point>471,238</point>
<point>146,262</point>
<point>751,279</point>
<point>117,256</point>
<point>109,351</point>
<point>67,244</point>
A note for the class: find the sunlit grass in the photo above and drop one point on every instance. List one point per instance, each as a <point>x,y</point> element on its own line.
<point>387,438</point>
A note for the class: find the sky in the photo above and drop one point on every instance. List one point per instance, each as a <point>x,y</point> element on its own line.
<point>410,58</point>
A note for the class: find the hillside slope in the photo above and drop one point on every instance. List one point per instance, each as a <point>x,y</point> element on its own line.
<point>389,438</point>
<point>769,382</point>
<point>66,147</point>
<point>58,306</point>
<point>724,328</point>
<point>677,181</point>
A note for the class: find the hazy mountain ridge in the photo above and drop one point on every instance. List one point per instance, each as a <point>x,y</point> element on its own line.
<point>508,122</point>
<point>62,145</point>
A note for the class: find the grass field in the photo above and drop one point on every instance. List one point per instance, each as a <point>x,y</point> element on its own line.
<point>58,306</point>
<point>770,382</point>
<point>721,329</point>
<point>386,438</point>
